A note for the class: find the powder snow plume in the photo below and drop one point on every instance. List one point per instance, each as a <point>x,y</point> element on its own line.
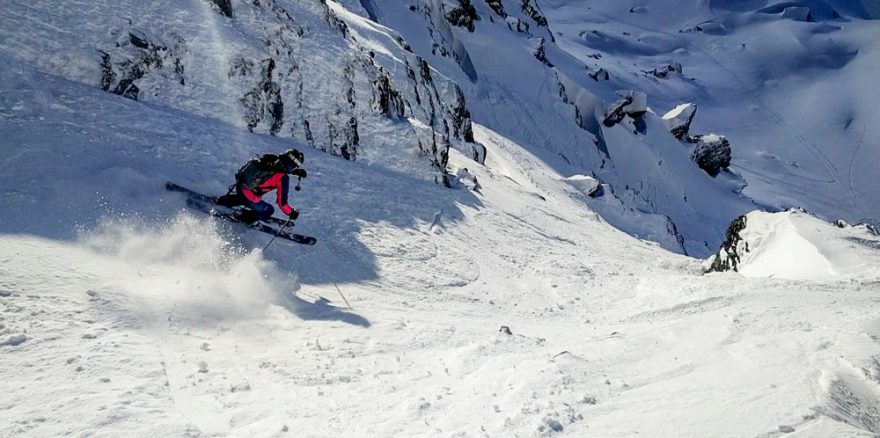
<point>187,265</point>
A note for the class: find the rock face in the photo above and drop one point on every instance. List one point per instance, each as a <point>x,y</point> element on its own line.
<point>712,153</point>
<point>664,71</point>
<point>136,55</point>
<point>679,120</point>
<point>631,103</point>
<point>461,13</point>
<point>225,6</point>
<point>730,254</point>
<point>312,72</point>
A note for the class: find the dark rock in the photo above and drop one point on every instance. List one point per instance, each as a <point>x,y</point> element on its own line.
<point>531,9</point>
<point>464,15</point>
<point>496,6</point>
<point>540,54</point>
<point>728,257</point>
<point>679,120</point>
<point>617,113</point>
<point>600,75</point>
<point>224,6</point>
<point>461,116</point>
<point>263,102</point>
<point>664,71</point>
<point>108,76</point>
<point>505,329</point>
<point>712,153</point>
<point>517,25</point>
<point>386,99</point>
<point>631,103</point>
<point>133,57</point>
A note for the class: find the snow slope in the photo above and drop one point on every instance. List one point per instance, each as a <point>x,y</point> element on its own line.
<point>142,319</point>
<point>123,314</point>
<point>798,246</point>
<point>794,97</point>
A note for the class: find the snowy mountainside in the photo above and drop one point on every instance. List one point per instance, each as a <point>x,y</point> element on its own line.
<point>121,313</point>
<point>796,245</point>
<point>509,306</point>
<point>788,83</point>
<point>552,106</point>
<point>787,92</point>
<point>307,70</point>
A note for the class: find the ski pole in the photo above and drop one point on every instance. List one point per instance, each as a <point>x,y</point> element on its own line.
<point>343,296</point>
<point>281,230</point>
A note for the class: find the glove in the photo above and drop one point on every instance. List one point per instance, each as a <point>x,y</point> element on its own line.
<point>294,214</point>
<point>299,172</point>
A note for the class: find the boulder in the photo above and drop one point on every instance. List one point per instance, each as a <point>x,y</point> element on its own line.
<point>631,103</point>
<point>599,75</point>
<point>712,153</point>
<point>468,179</point>
<point>664,71</point>
<point>587,185</point>
<point>461,13</point>
<point>679,119</point>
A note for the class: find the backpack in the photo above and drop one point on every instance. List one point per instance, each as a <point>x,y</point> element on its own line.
<point>257,170</point>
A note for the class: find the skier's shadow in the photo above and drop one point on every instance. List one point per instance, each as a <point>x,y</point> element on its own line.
<point>321,310</point>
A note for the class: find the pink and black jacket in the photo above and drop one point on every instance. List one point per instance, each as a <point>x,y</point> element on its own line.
<point>280,182</point>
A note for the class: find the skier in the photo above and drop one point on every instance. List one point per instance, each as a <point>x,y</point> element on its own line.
<point>260,176</point>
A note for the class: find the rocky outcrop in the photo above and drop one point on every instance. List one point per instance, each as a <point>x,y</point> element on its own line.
<point>134,56</point>
<point>679,120</point>
<point>497,7</point>
<point>263,103</point>
<point>440,29</point>
<point>386,99</point>
<point>666,70</point>
<point>712,153</point>
<point>631,103</point>
<point>586,184</point>
<point>312,72</point>
<point>530,8</point>
<point>730,254</point>
<point>599,74</point>
<point>541,54</point>
<point>223,6</point>
<point>461,13</point>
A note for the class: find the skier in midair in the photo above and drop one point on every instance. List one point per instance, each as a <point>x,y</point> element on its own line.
<point>260,176</point>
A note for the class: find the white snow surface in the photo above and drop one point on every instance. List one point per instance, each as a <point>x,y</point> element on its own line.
<point>124,314</point>
<point>798,246</point>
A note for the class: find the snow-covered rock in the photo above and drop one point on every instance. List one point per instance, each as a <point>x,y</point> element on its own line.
<point>665,70</point>
<point>796,245</point>
<point>631,103</point>
<point>679,119</point>
<point>586,184</point>
<point>711,153</point>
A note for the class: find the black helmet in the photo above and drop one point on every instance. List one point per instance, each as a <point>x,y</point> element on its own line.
<point>292,159</point>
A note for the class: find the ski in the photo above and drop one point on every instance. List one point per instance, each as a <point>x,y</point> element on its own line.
<point>173,187</point>
<point>208,204</point>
